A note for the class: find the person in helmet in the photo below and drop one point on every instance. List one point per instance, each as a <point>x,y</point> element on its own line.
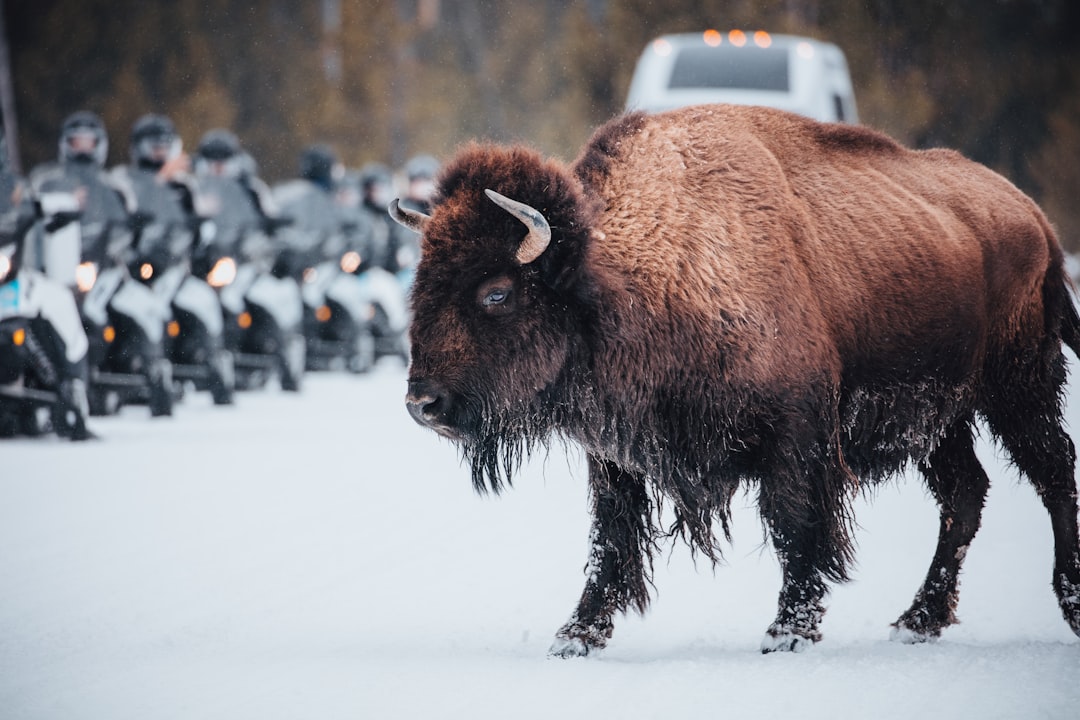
<point>315,232</point>
<point>227,201</point>
<point>244,221</point>
<point>319,166</point>
<point>157,147</point>
<point>80,169</point>
<point>132,346</point>
<point>377,190</point>
<point>45,345</point>
<point>158,177</point>
<point>83,139</point>
<point>219,153</point>
<point>376,186</point>
<point>160,191</point>
<point>420,172</point>
<point>326,244</point>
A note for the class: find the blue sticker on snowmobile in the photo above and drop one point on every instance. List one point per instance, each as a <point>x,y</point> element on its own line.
<point>9,298</point>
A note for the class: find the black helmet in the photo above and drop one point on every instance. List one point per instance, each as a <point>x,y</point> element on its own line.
<point>154,141</point>
<point>219,145</point>
<point>83,139</point>
<point>317,164</point>
<point>376,184</point>
<point>420,172</point>
<point>219,154</point>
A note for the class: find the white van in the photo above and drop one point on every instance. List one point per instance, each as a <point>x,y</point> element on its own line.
<point>792,73</point>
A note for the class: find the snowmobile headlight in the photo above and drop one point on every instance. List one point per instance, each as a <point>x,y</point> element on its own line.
<point>5,261</point>
<point>223,272</point>
<point>350,261</point>
<point>85,276</point>
<point>146,271</point>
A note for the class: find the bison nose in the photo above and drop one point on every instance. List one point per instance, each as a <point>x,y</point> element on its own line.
<point>422,407</point>
<point>428,405</point>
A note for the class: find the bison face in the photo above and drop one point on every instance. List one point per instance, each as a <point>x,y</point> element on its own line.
<point>491,334</point>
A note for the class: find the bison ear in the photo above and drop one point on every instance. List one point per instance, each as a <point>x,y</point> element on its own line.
<point>412,219</point>
<point>536,242</point>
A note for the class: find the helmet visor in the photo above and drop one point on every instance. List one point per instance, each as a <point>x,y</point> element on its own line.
<point>82,141</point>
<point>158,148</point>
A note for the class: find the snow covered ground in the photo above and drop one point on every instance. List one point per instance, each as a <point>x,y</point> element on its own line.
<point>320,556</point>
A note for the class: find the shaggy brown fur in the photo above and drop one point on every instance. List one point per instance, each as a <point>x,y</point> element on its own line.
<point>740,295</point>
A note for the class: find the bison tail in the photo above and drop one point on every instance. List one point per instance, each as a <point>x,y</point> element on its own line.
<point>1059,296</point>
<point>1060,292</point>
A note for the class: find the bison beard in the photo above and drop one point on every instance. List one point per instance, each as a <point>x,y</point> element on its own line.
<point>720,296</point>
<point>498,447</point>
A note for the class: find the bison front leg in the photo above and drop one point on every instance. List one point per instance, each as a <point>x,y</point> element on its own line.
<point>808,517</point>
<point>617,574</point>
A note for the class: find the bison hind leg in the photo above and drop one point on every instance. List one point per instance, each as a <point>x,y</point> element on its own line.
<point>959,484</point>
<point>1025,413</point>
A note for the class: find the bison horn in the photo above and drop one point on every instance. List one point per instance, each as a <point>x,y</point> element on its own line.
<point>536,242</point>
<point>412,219</point>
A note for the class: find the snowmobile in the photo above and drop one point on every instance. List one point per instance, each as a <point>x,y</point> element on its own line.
<point>124,319</point>
<point>42,343</point>
<point>194,339</point>
<point>324,251</point>
<point>125,323</point>
<point>387,296</point>
<point>157,181</point>
<point>262,306</point>
<point>337,317</point>
<point>386,279</point>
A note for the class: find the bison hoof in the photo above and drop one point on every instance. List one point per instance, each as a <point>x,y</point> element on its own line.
<point>784,641</point>
<point>1069,599</point>
<point>569,648</point>
<point>577,639</point>
<point>901,632</point>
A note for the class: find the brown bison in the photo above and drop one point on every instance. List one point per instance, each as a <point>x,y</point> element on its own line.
<point>723,295</point>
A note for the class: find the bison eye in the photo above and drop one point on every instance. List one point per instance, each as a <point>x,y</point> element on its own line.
<point>497,295</point>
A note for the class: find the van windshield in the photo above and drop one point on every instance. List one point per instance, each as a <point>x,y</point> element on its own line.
<point>750,68</point>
